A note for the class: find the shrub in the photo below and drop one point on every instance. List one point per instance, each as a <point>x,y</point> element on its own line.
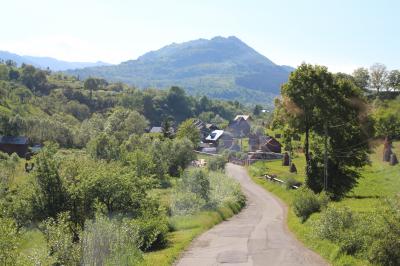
<point>196,181</point>
<point>306,203</point>
<point>216,163</point>
<point>224,189</point>
<point>185,203</point>
<point>290,182</point>
<point>152,232</point>
<point>60,240</point>
<point>333,222</point>
<point>106,242</point>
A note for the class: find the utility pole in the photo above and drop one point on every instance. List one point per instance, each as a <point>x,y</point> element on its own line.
<point>325,156</point>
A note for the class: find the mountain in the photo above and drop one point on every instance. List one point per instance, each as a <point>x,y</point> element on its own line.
<point>47,62</point>
<point>223,68</point>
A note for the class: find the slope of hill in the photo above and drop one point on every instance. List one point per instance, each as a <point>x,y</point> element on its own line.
<point>44,62</point>
<point>223,68</point>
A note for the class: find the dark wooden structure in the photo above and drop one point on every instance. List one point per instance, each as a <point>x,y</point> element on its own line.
<point>11,144</point>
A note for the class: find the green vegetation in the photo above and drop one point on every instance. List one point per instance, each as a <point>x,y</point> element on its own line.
<point>222,68</point>
<point>342,132</point>
<point>379,182</point>
<point>101,190</point>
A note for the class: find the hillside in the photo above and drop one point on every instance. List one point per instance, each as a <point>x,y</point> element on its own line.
<point>224,68</point>
<point>47,62</point>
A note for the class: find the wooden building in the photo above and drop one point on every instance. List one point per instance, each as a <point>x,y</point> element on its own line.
<point>12,144</point>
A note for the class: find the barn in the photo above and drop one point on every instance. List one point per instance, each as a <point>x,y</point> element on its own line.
<point>11,144</point>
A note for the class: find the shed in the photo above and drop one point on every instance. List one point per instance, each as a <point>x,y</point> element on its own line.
<point>13,144</point>
<point>271,145</point>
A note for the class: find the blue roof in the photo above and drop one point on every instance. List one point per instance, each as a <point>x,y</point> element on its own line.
<point>13,140</point>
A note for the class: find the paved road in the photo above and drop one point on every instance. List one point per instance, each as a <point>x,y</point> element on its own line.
<point>256,236</point>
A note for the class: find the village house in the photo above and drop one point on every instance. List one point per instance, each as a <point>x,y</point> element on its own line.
<point>205,129</point>
<point>240,126</point>
<point>220,138</point>
<point>10,145</point>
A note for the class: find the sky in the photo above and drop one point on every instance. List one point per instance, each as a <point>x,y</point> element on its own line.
<point>342,35</point>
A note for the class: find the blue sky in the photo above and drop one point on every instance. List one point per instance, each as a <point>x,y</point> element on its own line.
<point>340,34</point>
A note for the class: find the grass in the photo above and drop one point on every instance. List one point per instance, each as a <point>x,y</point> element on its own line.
<point>185,229</point>
<point>379,180</point>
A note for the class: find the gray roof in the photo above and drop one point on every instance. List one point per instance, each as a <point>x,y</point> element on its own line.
<point>156,130</point>
<point>13,140</point>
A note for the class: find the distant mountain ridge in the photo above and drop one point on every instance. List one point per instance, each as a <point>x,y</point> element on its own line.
<point>225,68</point>
<point>48,62</point>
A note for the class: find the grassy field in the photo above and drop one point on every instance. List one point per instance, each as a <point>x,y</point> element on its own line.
<point>379,180</point>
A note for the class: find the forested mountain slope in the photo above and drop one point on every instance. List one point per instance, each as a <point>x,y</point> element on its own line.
<point>224,68</point>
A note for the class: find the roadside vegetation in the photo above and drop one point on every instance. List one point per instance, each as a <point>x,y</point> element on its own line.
<point>101,190</point>
<point>347,206</point>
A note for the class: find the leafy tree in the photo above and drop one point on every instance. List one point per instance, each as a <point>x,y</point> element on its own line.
<point>122,123</point>
<point>387,120</point>
<point>183,155</point>
<point>93,84</point>
<point>319,104</point>
<point>13,74</point>
<point>60,240</point>
<point>361,78</point>
<point>103,147</point>
<point>187,129</point>
<point>51,195</point>
<point>8,241</point>
<point>393,80</point>
<point>378,76</point>
<point>257,110</point>
<point>34,79</point>
<point>4,72</point>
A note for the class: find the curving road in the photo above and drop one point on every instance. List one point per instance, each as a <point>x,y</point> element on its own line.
<point>256,236</point>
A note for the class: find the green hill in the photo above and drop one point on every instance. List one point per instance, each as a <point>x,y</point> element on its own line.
<point>224,68</point>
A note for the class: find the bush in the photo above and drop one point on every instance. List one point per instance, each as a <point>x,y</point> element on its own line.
<point>185,203</point>
<point>106,242</point>
<point>306,203</point>
<point>224,189</point>
<point>152,232</point>
<point>290,182</point>
<point>333,222</point>
<point>216,163</point>
<point>196,181</point>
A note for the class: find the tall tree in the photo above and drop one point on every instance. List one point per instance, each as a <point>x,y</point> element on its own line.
<point>393,80</point>
<point>378,74</point>
<point>361,78</point>
<point>324,106</point>
<point>187,129</point>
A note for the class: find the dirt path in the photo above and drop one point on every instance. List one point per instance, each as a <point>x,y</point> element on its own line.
<point>256,236</point>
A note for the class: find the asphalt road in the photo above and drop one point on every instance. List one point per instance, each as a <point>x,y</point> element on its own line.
<point>256,236</point>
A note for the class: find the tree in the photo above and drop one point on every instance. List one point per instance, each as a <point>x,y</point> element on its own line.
<point>387,120</point>
<point>103,147</point>
<point>378,76</point>
<point>13,74</point>
<point>8,241</point>
<point>51,195</point>
<point>34,79</point>
<point>257,110</point>
<point>4,72</point>
<point>93,84</point>
<point>61,242</point>
<point>361,78</point>
<point>330,109</point>
<point>393,80</point>
<point>187,129</point>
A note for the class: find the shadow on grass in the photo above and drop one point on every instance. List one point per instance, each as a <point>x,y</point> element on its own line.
<point>362,197</point>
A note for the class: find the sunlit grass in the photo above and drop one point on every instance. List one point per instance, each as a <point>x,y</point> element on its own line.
<point>379,181</point>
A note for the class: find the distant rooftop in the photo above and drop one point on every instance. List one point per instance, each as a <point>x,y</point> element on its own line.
<point>13,140</point>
